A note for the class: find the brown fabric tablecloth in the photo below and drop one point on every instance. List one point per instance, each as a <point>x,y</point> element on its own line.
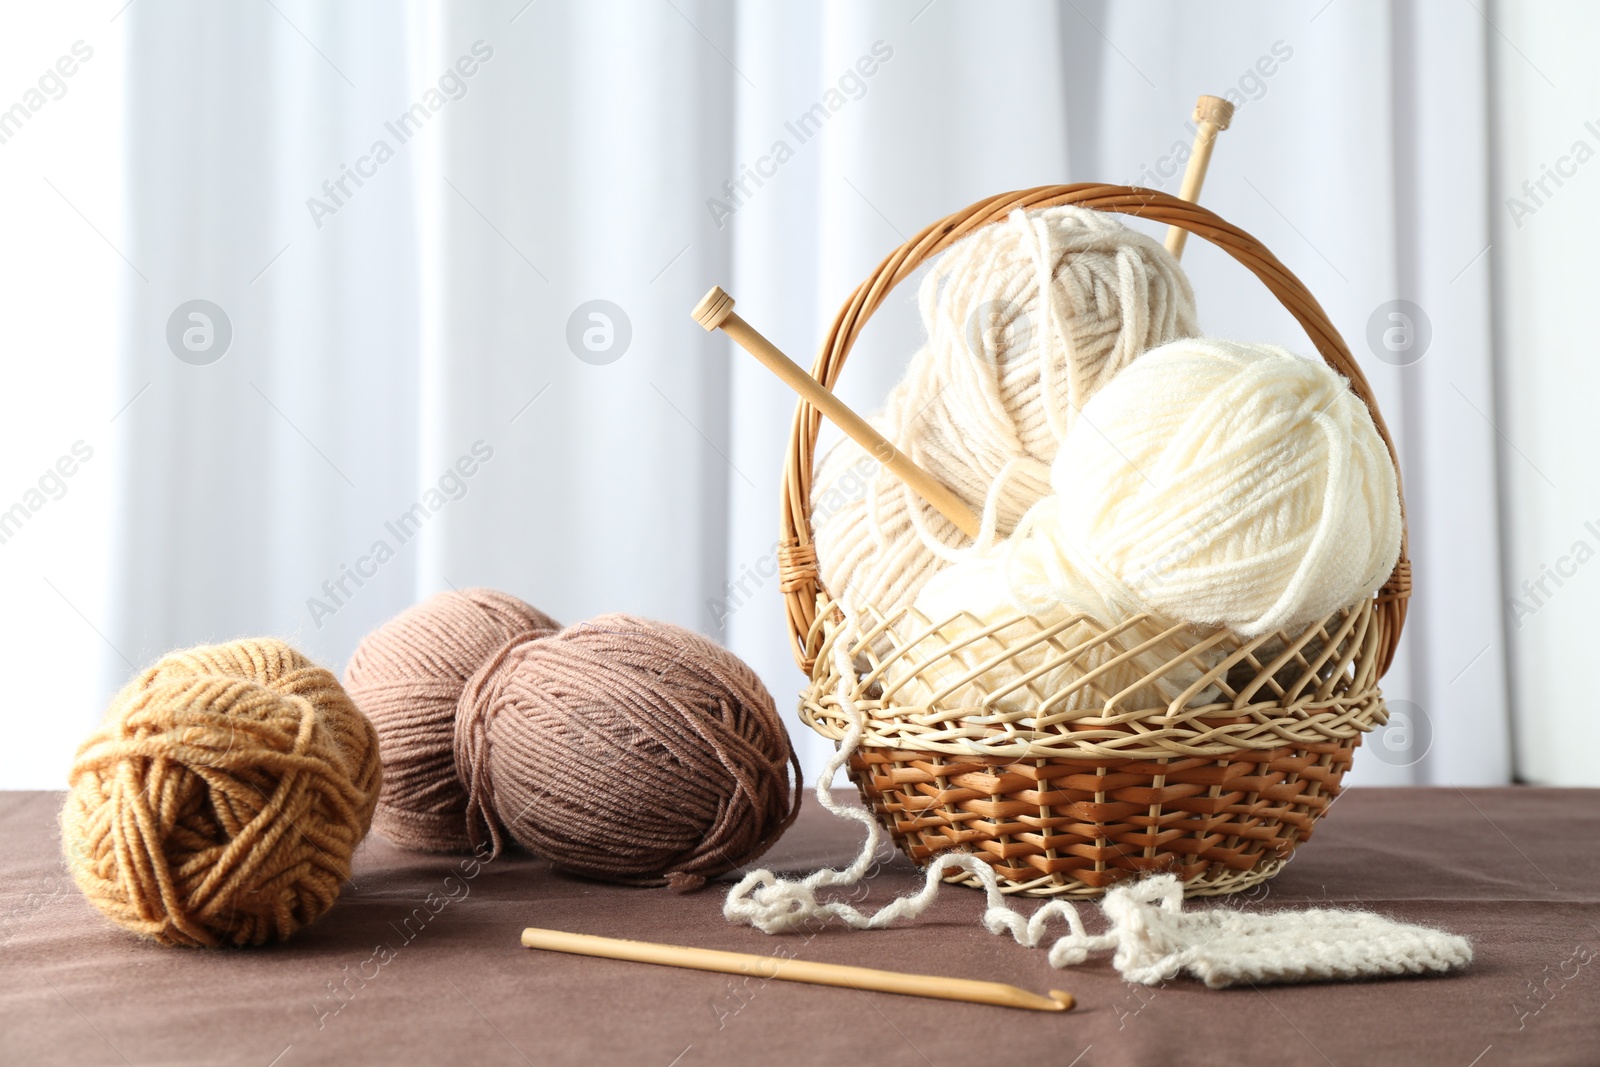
<point>413,966</point>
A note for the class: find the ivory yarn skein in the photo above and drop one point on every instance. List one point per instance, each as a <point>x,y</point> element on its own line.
<point>408,676</point>
<point>222,798</point>
<point>1213,483</point>
<point>1025,320</point>
<point>1228,484</point>
<point>627,750</point>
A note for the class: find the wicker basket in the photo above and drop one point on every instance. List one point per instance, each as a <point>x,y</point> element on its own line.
<point>1067,803</point>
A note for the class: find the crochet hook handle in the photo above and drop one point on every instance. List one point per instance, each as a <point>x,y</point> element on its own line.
<point>715,311</point>
<point>1212,114</point>
<point>793,970</point>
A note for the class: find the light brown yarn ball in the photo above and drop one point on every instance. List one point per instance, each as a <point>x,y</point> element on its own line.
<point>407,676</point>
<point>222,798</point>
<point>626,750</point>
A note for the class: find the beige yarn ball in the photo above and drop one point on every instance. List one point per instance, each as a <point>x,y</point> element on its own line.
<point>1026,320</point>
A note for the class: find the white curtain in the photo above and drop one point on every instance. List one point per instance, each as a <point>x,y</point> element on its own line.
<point>392,333</point>
<point>1544,222</point>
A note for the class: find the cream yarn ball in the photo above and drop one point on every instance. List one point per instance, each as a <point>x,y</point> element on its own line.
<point>1026,320</point>
<point>1227,484</point>
<point>1214,484</point>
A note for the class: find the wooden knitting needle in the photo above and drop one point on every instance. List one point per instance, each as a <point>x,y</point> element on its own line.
<point>715,311</point>
<point>792,970</point>
<point>1212,114</point>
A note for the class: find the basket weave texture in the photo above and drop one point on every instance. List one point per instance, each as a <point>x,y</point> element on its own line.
<point>1069,802</point>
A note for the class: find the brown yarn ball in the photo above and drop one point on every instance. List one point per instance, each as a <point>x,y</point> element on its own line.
<point>626,750</point>
<point>407,676</point>
<point>222,798</point>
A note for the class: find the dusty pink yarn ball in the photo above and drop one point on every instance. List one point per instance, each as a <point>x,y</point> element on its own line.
<point>628,750</point>
<point>407,677</point>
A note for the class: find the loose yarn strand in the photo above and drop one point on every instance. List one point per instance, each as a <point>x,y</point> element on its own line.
<point>775,905</point>
<point>1153,938</point>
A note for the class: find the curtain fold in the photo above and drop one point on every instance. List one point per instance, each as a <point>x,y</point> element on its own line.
<point>929,131</point>
<point>256,475</point>
<point>1456,637</point>
<point>1546,121</point>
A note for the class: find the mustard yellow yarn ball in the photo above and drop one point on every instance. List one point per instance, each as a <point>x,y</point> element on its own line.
<point>222,798</point>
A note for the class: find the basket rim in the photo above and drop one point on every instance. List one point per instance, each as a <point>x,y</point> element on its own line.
<point>1254,720</point>
<point>799,579</point>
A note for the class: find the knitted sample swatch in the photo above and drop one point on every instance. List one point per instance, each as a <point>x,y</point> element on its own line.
<point>1155,938</point>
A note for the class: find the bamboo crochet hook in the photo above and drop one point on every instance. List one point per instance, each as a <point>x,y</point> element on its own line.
<point>1212,114</point>
<point>792,970</point>
<point>715,311</point>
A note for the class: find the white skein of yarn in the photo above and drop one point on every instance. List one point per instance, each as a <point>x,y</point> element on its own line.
<point>1212,483</point>
<point>1026,320</point>
<point>1227,484</point>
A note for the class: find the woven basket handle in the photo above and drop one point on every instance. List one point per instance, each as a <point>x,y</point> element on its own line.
<point>797,557</point>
